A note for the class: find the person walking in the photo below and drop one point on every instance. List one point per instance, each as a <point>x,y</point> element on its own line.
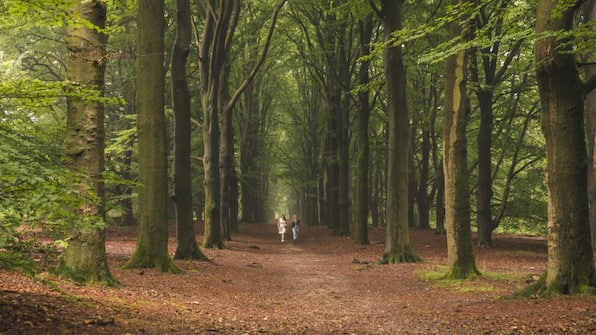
<point>282,225</point>
<point>295,227</point>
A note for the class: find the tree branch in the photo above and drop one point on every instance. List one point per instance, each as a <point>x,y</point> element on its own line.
<point>260,61</point>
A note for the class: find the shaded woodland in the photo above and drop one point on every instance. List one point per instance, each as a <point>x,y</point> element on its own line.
<point>466,118</point>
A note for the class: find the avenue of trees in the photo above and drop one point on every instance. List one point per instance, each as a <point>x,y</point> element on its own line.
<point>460,116</point>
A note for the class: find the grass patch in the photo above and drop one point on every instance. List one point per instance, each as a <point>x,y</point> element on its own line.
<point>504,276</point>
<point>522,253</point>
<point>481,283</point>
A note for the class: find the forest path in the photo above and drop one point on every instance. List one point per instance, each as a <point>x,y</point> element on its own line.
<point>325,279</point>
<point>322,284</point>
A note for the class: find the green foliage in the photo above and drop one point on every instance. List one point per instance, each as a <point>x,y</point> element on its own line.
<point>16,261</point>
<point>19,14</point>
<point>30,186</point>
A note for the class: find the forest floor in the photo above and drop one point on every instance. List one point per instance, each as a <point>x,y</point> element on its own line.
<point>322,284</point>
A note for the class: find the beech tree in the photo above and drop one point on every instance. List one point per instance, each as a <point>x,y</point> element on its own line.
<point>84,259</point>
<point>365,29</point>
<point>228,177</point>
<point>220,21</point>
<point>397,245</point>
<point>152,241</point>
<point>187,247</point>
<point>570,267</point>
<point>460,254</point>
<point>590,74</point>
<point>489,67</point>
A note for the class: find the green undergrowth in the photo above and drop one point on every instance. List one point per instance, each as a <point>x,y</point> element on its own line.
<point>482,283</point>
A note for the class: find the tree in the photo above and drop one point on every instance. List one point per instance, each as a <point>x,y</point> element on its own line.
<point>570,267</point>
<point>219,26</point>
<point>488,69</point>
<point>397,245</point>
<point>306,133</point>
<point>256,112</point>
<point>363,143</point>
<point>590,74</point>
<point>152,241</point>
<point>84,259</point>
<point>328,29</point>
<point>121,135</point>
<point>457,198</point>
<point>185,233</point>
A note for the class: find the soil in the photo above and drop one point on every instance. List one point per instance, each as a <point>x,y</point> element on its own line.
<point>322,284</point>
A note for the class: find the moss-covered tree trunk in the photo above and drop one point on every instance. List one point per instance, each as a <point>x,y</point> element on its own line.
<point>152,240</point>
<point>570,267</point>
<point>187,246</point>
<point>460,251</point>
<point>84,260</point>
<point>397,245</point>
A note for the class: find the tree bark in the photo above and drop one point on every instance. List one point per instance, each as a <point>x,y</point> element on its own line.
<point>217,35</point>
<point>484,192</point>
<point>220,24</point>
<point>363,145</point>
<point>397,245</point>
<point>84,260</point>
<point>344,203</point>
<point>490,23</point>
<point>152,242</point>
<point>590,74</point>
<point>187,246</point>
<point>226,162</point>
<point>460,254</point>
<point>570,267</point>
<point>437,160</point>
<point>422,198</point>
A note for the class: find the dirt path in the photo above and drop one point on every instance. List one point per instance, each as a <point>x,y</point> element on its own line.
<point>322,284</point>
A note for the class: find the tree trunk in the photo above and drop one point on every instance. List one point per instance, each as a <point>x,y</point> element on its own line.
<point>220,24</point>
<point>570,267</point>
<point>411,178</point>
<point>226,161</point>
<point>128,218</point>
<point>397,246</point>
<point>332,170</point>
<point>460,251</point>
<point>439,183</point>
<point>187,247</point>
<point>422,198</point>
<point>217,35</point>
<point>590,74</point>
<point>84,260</point>
<point>440,200</point>
<point>490,23</point>
<point>363,146</point>
<point>336,80</point>
<point>152,241</point>
<point>344,203</point>
<point>484,193</point>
